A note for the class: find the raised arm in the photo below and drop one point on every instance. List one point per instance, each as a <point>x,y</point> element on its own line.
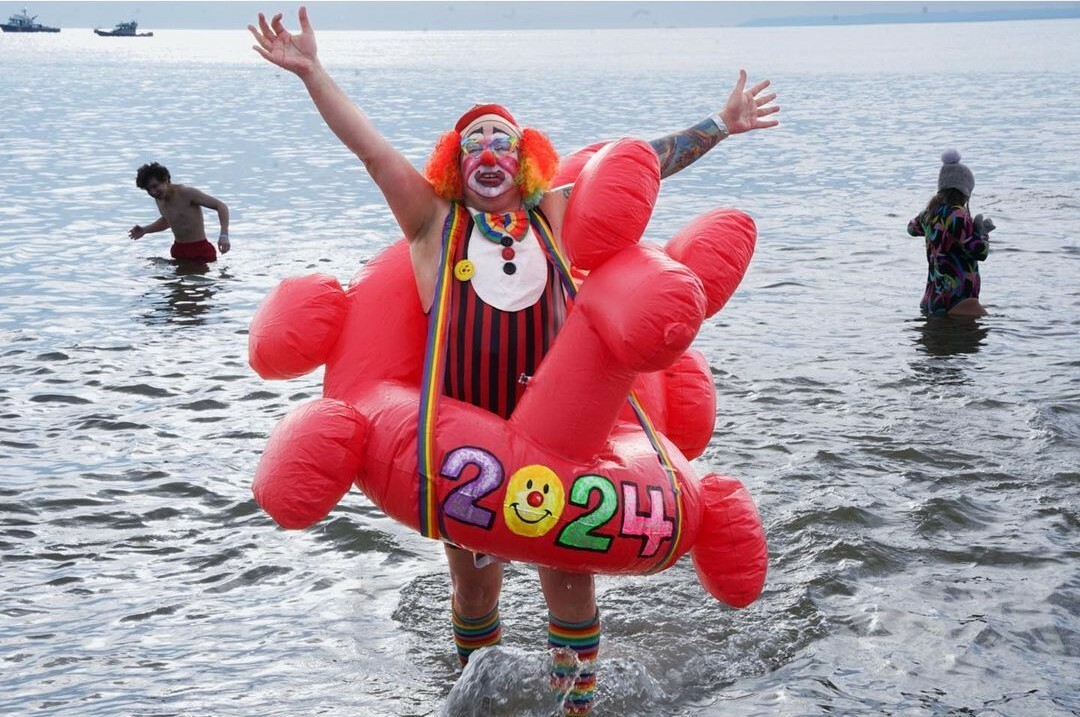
<point>410,197</point>
<point>744,111</point>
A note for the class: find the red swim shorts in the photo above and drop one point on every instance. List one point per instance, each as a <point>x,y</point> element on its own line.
<point>194,251</point>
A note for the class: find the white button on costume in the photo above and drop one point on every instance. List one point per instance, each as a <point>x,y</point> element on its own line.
<point>508,292</point>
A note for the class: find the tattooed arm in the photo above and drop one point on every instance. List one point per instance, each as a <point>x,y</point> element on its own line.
<point>678,151</point>
<point>744,111</point>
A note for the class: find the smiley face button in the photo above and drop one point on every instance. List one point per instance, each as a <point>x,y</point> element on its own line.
<point>534,501</point>
<point>464,270</point>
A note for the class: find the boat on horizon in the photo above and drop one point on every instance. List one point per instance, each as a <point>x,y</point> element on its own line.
<point>123,29</point>
<point>24,22</point>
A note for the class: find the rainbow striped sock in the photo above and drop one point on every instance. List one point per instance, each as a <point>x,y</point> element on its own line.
<point>470,634</point>
<point>574,647</point>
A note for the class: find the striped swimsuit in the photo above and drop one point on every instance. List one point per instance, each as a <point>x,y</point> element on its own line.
<point>489,350</point>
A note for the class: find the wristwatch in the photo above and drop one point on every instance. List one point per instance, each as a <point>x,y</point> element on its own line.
<point>720,125</point>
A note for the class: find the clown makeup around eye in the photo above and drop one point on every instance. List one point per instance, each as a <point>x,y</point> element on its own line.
<point>499,143</point>
<point>489,165</point>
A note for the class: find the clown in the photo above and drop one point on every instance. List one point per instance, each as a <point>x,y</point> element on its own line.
<point>505,285</point>
<point>488,181</point>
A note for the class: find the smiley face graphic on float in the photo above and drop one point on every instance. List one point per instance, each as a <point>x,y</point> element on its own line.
<point>534,501</point>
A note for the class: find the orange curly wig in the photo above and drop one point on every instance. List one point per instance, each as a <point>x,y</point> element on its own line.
<point>538,164</point>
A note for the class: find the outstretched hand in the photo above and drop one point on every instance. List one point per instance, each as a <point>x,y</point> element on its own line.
<point>295,53</point>
<point>745,111</point>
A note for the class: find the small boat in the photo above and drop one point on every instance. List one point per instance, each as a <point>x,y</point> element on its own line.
<point>123,29</point>
<point>24,22</point>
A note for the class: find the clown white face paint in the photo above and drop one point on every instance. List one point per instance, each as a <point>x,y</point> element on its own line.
<point>489,163</point>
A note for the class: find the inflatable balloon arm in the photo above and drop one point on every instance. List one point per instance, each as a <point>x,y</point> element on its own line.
<point>681,401</point>
<point>310,462</point>
<point>616,187</point>
<point>296,326</point>
<point>717,246</point>
<point>731,556</point>
<point>567,481</point>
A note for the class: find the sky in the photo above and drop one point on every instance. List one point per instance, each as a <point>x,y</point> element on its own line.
<point>520,14</point>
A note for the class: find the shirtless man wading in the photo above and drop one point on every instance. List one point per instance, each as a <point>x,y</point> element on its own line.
<point>181,211</point>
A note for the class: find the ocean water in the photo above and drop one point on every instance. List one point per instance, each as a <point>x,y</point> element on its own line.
<point>918,479</point>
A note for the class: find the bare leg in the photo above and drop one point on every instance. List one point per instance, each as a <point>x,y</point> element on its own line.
<point>474,602</point>
<point>571,597</point>
<point>967,308</point>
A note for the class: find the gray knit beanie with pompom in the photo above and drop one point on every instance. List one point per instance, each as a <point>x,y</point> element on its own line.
<point>954,175</point>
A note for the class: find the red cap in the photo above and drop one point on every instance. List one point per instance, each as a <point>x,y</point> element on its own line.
<point>480,111</point>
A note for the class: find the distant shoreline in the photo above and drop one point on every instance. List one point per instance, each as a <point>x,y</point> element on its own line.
<point>917,18</point>
<point>464,15</point>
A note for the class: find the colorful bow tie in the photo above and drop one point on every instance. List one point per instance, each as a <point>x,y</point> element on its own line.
<point>496,225</point>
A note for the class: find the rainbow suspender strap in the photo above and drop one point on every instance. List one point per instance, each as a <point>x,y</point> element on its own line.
<point>457,223</point>
<point>563,267</point>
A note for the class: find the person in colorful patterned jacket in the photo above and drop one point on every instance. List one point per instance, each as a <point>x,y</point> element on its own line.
<point>955,243</point>
<point>507,303</point>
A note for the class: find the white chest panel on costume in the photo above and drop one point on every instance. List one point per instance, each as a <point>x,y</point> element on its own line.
<point>508,292</point>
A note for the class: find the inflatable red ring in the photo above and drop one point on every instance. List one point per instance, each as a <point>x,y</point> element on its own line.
<point>578,478</point>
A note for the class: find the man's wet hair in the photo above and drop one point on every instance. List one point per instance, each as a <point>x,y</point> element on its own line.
<point>153,170</point>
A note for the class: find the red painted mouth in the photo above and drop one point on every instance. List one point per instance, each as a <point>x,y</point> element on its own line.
<point>490,179</point>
